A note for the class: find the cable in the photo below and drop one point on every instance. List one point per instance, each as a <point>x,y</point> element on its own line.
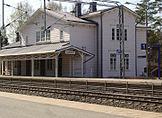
<point>15,8</point>
<point>13,21</point>
<point>55,22</point>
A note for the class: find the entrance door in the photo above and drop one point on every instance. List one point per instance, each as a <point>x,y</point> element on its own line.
<point>18,67</point>
<point>42,67</point>
<point>59,67</point>
<point>28,67</point>
<point>77,66</point>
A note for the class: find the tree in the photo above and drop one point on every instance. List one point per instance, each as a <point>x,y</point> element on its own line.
<point>155,21</point>
<point>3,38</point>
<point>19,16</point>
<point>54,6</point>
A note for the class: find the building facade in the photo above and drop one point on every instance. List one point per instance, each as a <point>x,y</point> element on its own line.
<point>75,46</point>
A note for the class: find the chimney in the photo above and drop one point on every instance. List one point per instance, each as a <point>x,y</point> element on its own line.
<point>78,9</point>
<point>93,7</point>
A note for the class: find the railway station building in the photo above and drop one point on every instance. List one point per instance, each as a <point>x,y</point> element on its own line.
<point>75,45</point>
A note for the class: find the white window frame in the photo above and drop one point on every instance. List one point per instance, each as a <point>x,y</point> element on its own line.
<point>113,60</point>
<point>42,35</point>
<point>127,61</point>
<point>116,34</point>
<point>61,35</point>
<point>113,35</point>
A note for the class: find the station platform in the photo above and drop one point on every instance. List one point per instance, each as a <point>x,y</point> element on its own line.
<point>102,80</point>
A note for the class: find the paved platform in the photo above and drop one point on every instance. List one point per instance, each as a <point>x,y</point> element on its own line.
<point>23,106</point>
<point>108,80</point>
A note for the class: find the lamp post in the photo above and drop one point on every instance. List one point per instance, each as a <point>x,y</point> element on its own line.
<point>146,23</point>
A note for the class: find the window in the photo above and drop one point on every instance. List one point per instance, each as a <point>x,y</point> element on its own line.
<point>117,34</point>
<point>126,61</point>
<point>49,64</point>
<point>61,35</point>
<point>48,34</point>
<point>113,34</point>
<point>36,64</point>
<point>40,35</point>
<point>125,34</point>
<point>112,61</point>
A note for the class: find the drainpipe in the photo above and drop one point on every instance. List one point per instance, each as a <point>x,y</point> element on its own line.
<point>97,45</point>
<point>97,50</point>
<point>101,20</point>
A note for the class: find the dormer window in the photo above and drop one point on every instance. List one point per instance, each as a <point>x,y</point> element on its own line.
<point>61,36</point>
<point>40,35</point>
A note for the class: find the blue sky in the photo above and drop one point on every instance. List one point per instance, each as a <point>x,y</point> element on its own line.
<point>37,3</point>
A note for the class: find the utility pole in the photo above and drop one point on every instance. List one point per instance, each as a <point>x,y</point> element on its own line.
<point>3,26</point>
<point>120,40</point>
<point>146,19</point>
<point>45,20</point>
<point>123,49</point>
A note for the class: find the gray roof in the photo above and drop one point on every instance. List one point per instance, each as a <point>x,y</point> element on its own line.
<point>109,9</point>
<point>64,16</point>
<point>15,44</point>
<point>38,49</point>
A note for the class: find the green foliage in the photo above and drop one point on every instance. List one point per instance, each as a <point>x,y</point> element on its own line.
<point>3,38</point>
<point>155,21</point>
<point>150,9</point>
<point>21,17</point>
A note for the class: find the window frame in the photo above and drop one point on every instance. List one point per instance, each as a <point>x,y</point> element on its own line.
<point>127,61</point>
<point>42,35</point>
<point>113,33</point>
<point>113,61</point>
<point>126,34</point>
<point>61,35</point>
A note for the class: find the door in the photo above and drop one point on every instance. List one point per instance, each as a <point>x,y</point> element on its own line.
<point>76,66</point>
<point>59,67</point>
<point>18,67</point>
<point>42,67</point>
<point>28,67</point>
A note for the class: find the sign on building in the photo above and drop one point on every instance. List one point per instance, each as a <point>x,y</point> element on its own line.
<point>143,46</point>
<point>70,52</point>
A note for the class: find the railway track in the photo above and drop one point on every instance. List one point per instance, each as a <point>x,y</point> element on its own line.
<point>121,95</point>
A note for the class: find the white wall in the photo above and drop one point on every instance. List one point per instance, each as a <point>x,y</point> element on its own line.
<point>110,19</point>
<point>141,62</point>
<point>85,36</point>
<point>38,22</point>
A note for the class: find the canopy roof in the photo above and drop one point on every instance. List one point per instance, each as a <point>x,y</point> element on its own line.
<point>40,49</point>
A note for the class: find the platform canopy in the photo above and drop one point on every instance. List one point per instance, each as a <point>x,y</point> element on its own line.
<point>41,51</point>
